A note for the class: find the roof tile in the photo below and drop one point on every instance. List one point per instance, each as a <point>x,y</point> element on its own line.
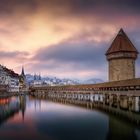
<point>121,44</point>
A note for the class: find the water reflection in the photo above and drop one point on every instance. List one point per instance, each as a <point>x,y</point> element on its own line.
<point>8,107</point>
<point>22,103</point>
<point>119,130</point>
<point>36,119</point>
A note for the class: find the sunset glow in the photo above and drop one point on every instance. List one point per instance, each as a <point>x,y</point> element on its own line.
<point>64,38</point>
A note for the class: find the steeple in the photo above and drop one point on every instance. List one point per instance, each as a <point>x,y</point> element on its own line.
<point>22,72</point>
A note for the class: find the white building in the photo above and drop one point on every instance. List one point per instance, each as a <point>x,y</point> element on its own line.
<point>37,80</point>
<point>14,84</point>
<point>10,78</point>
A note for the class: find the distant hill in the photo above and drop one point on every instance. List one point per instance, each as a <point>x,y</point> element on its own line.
<point>50,80</point>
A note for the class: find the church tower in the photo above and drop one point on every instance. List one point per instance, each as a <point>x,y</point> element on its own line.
<point>121,57</point>
<point>22,79</point>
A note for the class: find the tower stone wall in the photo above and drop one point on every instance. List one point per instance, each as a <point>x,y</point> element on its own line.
<point>121,69</point>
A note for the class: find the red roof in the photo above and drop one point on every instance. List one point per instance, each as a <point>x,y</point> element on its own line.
<point>121,44</point>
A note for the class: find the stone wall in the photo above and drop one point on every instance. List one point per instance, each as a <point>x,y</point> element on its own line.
<point>121,69</point>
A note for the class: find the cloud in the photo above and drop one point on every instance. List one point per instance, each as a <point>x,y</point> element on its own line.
<point>8,58</point>
<point>66,37</point>
<point>34,23</point>
<point>91,9</point>
<point>73,57</point>
<point>78,52</point>
<point>10,7</point>
<point>5,54</point>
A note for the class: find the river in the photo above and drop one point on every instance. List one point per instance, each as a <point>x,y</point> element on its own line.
<point>25,118</point>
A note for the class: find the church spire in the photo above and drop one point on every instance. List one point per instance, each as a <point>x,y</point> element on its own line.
<point>22,72</point>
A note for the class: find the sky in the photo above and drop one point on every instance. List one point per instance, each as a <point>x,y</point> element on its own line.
<point>65,38</point>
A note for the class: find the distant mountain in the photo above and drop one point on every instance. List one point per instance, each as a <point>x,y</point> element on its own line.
<point>50,80</point>
<point>93,81</point>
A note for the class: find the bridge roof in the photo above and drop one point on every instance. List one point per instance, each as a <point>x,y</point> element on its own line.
<point>121,44</point>
<point>122,83</point>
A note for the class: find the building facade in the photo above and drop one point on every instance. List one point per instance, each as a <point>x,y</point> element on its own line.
<point>37,80</point>
<point>9,78</point>
<point>121,57</point>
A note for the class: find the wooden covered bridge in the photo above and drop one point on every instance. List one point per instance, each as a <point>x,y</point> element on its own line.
<point>123,85</point>
<point>117,88</point>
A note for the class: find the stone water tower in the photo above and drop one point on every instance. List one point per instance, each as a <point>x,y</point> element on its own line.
<point>121,57</point>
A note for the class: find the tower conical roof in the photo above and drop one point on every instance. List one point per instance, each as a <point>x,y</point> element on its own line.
<point>121,44</point>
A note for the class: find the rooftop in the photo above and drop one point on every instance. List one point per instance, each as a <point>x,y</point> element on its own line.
<point>10,72</point>
<point>121,43</point>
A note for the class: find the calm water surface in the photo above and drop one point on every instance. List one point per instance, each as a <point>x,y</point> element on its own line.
<point>24,118</point>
